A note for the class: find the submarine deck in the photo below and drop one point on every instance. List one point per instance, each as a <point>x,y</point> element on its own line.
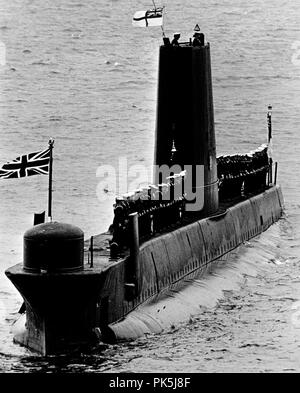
<point>101,250</point>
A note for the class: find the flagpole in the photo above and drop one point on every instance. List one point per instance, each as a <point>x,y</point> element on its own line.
<point>51,143</point>
<point>162,27</point>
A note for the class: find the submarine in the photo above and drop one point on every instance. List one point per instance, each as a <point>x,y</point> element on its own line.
<point>198,210</point>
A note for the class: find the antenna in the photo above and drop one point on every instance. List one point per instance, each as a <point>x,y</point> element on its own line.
<point>270,147</point>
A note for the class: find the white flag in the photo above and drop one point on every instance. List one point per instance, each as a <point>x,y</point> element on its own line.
<point>148,18</point>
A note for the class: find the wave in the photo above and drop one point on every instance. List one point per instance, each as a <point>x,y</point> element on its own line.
<point>176,306</point>
<point>43,62</point>
<point>55,118</point>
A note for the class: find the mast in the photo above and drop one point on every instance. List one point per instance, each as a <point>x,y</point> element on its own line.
<point>51,144</point>
<point>270,152</point>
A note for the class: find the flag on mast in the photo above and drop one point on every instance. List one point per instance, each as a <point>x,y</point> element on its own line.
<point>149,18</point>
<point>27,165</point>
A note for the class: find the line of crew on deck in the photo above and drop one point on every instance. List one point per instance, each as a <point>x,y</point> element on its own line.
<point>242,171</point>
<point>158,206</point>
<point>162,205</point>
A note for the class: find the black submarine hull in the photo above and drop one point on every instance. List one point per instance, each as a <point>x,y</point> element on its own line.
<point>67,310</point>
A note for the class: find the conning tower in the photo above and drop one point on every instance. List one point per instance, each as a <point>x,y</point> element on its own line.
<point>185,133</point>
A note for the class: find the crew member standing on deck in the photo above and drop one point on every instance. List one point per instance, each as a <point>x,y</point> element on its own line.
<point>198,37</point>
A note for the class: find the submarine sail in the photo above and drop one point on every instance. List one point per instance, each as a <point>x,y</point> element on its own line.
<point>185,119</point>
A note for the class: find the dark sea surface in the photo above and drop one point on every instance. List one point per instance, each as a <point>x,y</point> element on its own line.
<point>80,73</point>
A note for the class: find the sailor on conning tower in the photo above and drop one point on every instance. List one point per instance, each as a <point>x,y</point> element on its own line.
<point>175,39</point>
<point>198,37</point>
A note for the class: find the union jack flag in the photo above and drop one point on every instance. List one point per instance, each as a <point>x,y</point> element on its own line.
<point>27,165</point>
